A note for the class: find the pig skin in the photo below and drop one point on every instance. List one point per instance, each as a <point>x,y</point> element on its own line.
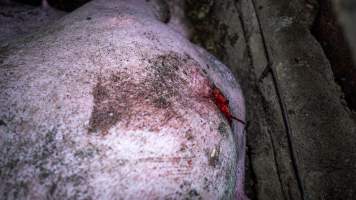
<point>111,103</point>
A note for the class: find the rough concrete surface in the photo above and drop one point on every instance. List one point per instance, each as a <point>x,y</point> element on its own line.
<point>301,134</point>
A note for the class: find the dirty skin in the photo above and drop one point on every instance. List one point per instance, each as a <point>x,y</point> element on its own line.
<point>116,98</point>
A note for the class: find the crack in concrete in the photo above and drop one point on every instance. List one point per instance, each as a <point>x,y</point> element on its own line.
<point>282,106</point>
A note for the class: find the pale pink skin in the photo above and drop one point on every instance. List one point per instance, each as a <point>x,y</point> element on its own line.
<point>117,107</point>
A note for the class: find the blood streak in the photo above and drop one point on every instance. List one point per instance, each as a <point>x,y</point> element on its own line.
<point>223,104</point>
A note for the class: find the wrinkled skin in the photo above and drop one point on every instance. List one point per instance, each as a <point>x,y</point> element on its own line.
<point>111,103</point>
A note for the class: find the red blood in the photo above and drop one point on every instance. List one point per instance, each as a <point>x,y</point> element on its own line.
<point>223,104</point>
<point>190,162</point>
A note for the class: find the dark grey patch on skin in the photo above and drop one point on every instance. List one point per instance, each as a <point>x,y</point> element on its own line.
<point>207,184</point>
<point>38,155</point>
<point>104,115</point>
<point>117,96</point>
<point>2,123</point>
<point>21,190</point>
<point>88,152</point>
<point>222,128</point>
<point>4,53</point>
<point>187,191</point>
<point>189,135</point>
<point>193,193</point>
<point>161,102</point>
<point>164,77</point>
<point>52,189</point>
<point>44,173</point>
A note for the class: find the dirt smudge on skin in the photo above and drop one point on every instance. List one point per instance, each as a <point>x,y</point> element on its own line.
<point>151,103</point>
<point>107,106</point>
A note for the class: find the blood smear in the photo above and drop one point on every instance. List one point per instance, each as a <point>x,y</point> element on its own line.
<point>223,104</point>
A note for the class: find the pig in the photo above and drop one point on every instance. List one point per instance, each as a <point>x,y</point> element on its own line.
<point>110,102</point>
